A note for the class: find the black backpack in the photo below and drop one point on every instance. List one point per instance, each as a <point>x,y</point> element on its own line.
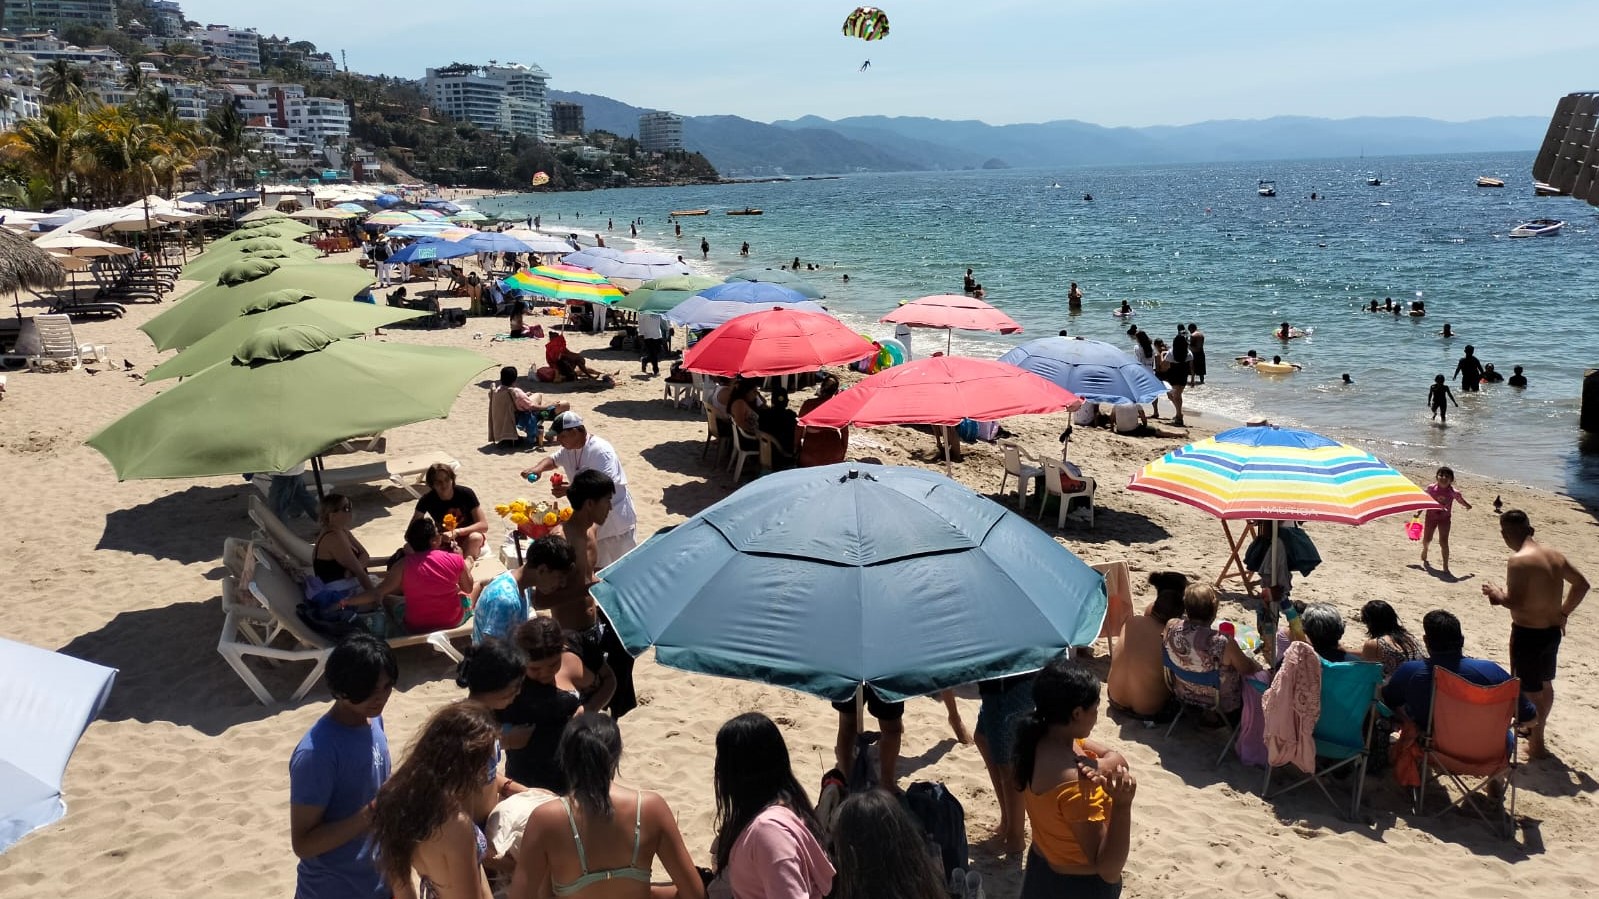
<point>943,818</point>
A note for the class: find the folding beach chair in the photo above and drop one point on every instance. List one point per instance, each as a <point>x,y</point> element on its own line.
<point>1210,681</point>
<point>1235,561</point>
<point>1472,734</point>
<point>1349,707</point>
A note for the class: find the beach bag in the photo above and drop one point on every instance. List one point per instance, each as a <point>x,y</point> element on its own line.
<point>331,622</point>
<point>967,430</point>
<point>545,373</point>
<point>943,819</point>
<point>321,593</point>
<point>537,332</point>
<point>988,431</point>
<point>1251,743</point>
<point>1413,528</point>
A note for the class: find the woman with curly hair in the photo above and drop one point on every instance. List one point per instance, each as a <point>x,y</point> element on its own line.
<point>422,818</point>
<point>880,851</point>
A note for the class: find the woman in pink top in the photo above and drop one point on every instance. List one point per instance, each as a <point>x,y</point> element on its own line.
<point>767,840</point>
<point>1443,490</point>
<point>433,581</point>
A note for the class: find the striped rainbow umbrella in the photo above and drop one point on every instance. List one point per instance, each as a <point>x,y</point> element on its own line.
<point>564,283</point>
<point>392,217</point>
<point>1281,474</point>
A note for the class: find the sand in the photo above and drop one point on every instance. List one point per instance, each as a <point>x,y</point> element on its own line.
<point>181,788</point>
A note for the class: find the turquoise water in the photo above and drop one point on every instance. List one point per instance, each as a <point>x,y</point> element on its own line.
<point>1195,243</point>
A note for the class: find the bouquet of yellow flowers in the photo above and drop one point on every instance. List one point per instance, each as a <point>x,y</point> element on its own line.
<point>535,519</point>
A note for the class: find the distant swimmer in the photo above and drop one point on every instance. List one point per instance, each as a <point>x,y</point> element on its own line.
<point>1126,310</point>
<point>1387,304</point>
<point>1249,358</point>
<point>1417,309</point>
<point>865,65</point>
<point>1074,297</point>
<point>705,248</point>
<point>1517,379</point>
<point>1373,307</point>
<point>745,249</point>
<point>1447,331</point>
<point>1489,376</point>
<point>1288,333</point>
<point>1439,398</point>
<point>1348,380</point>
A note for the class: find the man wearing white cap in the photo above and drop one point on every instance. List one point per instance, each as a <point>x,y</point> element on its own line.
<point>581,451</point>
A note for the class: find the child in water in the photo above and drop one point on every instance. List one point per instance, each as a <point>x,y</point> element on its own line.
<point>1439,397</point>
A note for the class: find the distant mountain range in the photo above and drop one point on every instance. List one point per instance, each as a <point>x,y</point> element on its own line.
<point>812,145</point>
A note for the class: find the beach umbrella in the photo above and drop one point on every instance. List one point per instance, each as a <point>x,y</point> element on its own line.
<point>286,395</point>
<point>832,578</point>
<point>543,244</point>
<point>941,390</point>
<point>356,208</point>
<point>640,266</point>
<point>776,342</point>
<point>759,293</point>
<point>386,200</point>
<point>1094,370</point>
<point>565,283</point>
<point>80,245</point>
<point>428,215</point>
<point>47,700</point>
<point>428,251</point>
<point>699,314</point>
<point>213,262</point>
<point>497,242</point>
<point>779,276</point>
<point>952,312</point>
<point>339,318</point>
<point>287,228</point>
<point>261,215</point>
<point>314,214</point>
<point>1279,474</point>
<point>392,217</point>
<point>60,217</point>
<point>209,307</point>
<point>467,215</point>
<point>587,258</point>
<point>25,266</point>
<point>664,294</point>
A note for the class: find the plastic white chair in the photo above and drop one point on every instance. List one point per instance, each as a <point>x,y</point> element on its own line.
<point>680,393</point>
<point>745,446</point>
<point>1023,472</point>
<point>1052,473</point>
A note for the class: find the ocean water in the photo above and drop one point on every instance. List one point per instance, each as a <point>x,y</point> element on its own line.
<point>1195,243</point>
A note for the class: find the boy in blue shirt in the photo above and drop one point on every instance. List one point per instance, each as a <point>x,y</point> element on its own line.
<point>335,774</point>
<point>503,604</point>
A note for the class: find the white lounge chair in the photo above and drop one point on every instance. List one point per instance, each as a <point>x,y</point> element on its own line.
<point>57,344</point>
<point>408,474</point>
<point>260,619</point>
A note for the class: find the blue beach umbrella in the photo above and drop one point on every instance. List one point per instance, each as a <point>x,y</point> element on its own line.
<point>826,579</point>
<point>779,276</point>
<point>428,250</point>
<point>496,242</point>
<point>1092,369</point>
<point>387,200</point>
<point>760,292</point>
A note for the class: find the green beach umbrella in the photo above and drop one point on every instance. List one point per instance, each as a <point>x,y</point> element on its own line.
<point>662,294</point>
<point>213,262</point>
<point>284,228</point>
<point>784,277</point>
<point>261,215</point>
<point>287,394</point>
<point>210,307</point>
<point>339,318</point>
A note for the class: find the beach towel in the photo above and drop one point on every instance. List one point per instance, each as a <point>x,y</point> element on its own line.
<point>1292,704</point>
<point>509,819</point>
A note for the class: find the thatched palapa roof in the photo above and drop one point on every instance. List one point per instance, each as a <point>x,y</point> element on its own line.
<point>23,265</point>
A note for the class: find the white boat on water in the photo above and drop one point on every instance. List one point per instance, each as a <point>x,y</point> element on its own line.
<point>1267,189</point>
<point>1486,181</point>
<point>1537,228</point>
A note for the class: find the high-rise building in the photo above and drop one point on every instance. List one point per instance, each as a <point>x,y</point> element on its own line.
<point>511,98</point>
<point>566,118</point>
<point>164,17</point>
<point>659,131</point>
<point>240,45</point>
<point>18,16</point>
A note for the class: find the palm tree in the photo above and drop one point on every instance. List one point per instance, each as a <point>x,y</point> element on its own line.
<point>226,130</point>
<point>49,145</point>
<point>64,84</point>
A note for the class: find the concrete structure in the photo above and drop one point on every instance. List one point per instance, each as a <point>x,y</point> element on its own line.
<point>319,121</point>
<point>1569,158</point>
<point>18,16</point>
<point>566,118</point>
<point>511,98</point>
<point>240,45</point>
<point>19,89</point>
<point>164,18</point>
<point>658,131</point>
<point>191,101</point>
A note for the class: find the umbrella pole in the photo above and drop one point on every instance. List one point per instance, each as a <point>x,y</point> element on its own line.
<point>949,339</point>
<point>860,715</point>
<point>316,473</point>
<point>949,434</point>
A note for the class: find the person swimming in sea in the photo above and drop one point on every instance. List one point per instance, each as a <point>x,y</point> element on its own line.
<point>1347,379</point>
<point>1249,358</point>
<point>1125,310</point>
<point>1447,331</point>
<point>1372,307</point>
<point>1439,398</point>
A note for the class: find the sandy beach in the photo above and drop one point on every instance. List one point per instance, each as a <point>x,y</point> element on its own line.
<point>181,789</point>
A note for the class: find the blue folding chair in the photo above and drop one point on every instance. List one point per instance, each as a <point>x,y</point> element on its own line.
<point>1209,680</point>
<point>1349,708</point>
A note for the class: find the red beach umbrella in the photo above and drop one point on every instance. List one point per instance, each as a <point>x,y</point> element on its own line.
<point>776,342</point>
<point>942,390</point>
<point>950,311</point>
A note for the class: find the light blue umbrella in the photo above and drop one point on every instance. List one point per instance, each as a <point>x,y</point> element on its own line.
<point>387,200</point>
<point>826,579</point>
<point>699,314</point>
<point>428,250</point>
<point>587,258</point>
<point>1092,369</point>
<point>46,702</point>
<point>759,292</point>
<point>496,242</point>
<point>779,276</point>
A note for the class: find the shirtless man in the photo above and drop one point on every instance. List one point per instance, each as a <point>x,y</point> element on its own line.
<point>1137,680</point>
<point>1532,593</point>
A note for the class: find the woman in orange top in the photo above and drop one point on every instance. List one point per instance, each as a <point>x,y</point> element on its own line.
<point>1078,793</point>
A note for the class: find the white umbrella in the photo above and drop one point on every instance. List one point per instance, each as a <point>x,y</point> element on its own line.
<point>80,245</point>
<point>638,266</point>
<point>314,214</point>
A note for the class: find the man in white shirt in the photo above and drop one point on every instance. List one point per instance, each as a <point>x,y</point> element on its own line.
<point>653,335</point>
<point>579,452</point>
<point>1127,418</point>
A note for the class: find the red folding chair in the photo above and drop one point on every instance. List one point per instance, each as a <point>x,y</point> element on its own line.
<point>1472,735</point>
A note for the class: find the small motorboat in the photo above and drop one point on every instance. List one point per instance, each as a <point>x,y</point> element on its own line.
<point>682,212</point>
<point>1088,198</point>
<point>1541,189</point>
<point>1375,181</point>
<point>747,210</point>
<point>1537,228</point>
<point>1267,189</point>
<point>1486,181</point>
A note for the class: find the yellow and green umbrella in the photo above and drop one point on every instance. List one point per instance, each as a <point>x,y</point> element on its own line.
<point>564,283</point>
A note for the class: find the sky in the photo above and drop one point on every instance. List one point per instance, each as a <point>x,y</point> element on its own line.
<point>1110,62</point>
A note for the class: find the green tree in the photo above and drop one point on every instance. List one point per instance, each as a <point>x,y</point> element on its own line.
<point>63,83</point>
<point>48,145</point>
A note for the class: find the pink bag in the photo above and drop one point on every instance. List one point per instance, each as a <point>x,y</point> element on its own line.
<point>1413,529</point>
